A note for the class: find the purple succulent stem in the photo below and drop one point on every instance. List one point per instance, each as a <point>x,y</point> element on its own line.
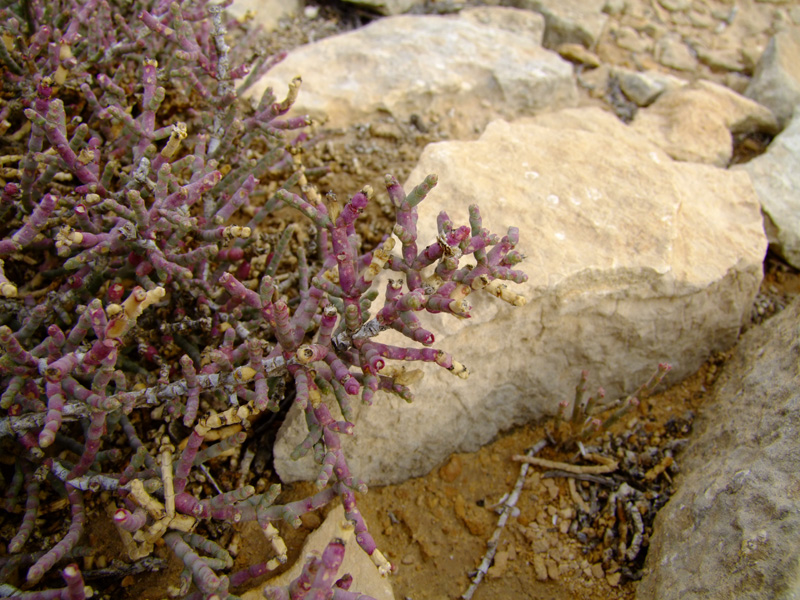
<point>12,391</point>
<point>327,325</point>
<point>28,519</point>
<point>76,590</point>
<point>31,229</point>
<point>342,373</point>
<point>193,396</point>
<point>94,433</point>
<point>237,289</point>
<point>353,515</point>
<point>281,321</point>
<point>15,351</point>
<point>55,127</point>
<point>212,452</point>
<point>150,103</point>
<point>317,214</point>
<point>327,567</point>
<point>185,461</point>
<point>204,577</point>
<point>100,350</point>
<point>245,575</point>
<point>191,192</point>
<point>314,435</point>
<point>67,543</point>
<point>97,401</point>
<point>238,199</point>
<point>55,406</point>
<point>130,521</point>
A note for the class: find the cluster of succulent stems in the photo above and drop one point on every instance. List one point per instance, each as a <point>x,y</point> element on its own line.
<point>136,285</point>
<point>588,414</point>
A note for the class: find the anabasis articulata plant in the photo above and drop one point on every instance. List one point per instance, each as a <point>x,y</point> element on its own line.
<point>147,323</point>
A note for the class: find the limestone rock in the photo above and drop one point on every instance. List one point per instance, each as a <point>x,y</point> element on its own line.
<point>671,52</point>
<point>776,178</point>
<point>630,39</point>
<point>515,20</point>
<point>578,54</point>
<point>418,64</point>
<point>632,258</point>
<point>694,123</point>
<point>266,13</point>
<point>776,82</point>
<point>729,59</point>
<point>731,529</point>
<point>644,87</point>
<point>366,579</point>
<point>569,21</point>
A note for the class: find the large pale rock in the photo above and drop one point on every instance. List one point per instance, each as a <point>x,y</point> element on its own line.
<point>632,258</point>
<point>776,178</point>
<point>569,21</point>
<point>366,579</point>
<point>731,529</point>
<point>418,64</point>
<point>266,13</point>
<point>776,82</point>
<point>695,122</point>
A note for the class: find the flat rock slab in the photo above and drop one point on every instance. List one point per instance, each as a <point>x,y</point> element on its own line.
<point>408,65</point>
<point>633,259</point>
<point>731,530</point>
<point>696,122</point>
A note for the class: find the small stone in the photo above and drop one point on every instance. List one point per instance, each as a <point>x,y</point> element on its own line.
<point>452,469</point>
<point>727,59</point>
<point>500,565</point>
<point>615,7</point>
<point>408,559</point>
<point>629,39</point>
<point>675,5</point>
<point>552,569</point>
<point>540,546</point>
<point>613,579</point>
<point>310,520</point>
<point>128,581</point>
<point>576,53</point>
<point>671,52</point>
<point>539,568</point>
<point>552,488</point>
<point>597,571</point>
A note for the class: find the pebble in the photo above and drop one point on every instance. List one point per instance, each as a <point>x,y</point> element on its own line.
<point>450,471</point>
<point>576,53</point>
<point>597,571</point>
<point>539,568</point>
<point>613,579</point>
<point>552,569</point>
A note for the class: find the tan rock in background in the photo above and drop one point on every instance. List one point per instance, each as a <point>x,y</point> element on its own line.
<point>632,258</point>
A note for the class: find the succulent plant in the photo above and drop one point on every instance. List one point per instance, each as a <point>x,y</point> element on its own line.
<point>146,320</point>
